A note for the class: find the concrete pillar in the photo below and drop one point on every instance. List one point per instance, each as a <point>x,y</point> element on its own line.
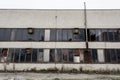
<point>47,35</point>
<point>100,53</point>
<point>46,51</point>
<point>46,55</point>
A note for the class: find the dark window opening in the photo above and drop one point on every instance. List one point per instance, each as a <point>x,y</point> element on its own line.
<point>94,56</point>
<point>67,35</point>
<point>21,34</point>
<point>112,55</point>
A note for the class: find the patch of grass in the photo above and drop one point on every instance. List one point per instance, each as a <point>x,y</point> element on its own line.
<point>56,79</point>
<point>115,78</point>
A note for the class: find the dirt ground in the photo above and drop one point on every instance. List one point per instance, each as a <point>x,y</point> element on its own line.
<point>56,76</point>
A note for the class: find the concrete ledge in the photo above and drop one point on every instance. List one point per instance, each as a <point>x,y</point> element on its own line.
<point>104,45</point>
<point>43,45</point>
<point>58,66</point>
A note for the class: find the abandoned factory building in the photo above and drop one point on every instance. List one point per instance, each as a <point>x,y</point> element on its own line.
<point>60,36</point>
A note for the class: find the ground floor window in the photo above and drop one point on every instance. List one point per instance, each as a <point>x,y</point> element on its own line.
<point>112,55</point>
<point>35,55</point>
<point>21,55</point>
<point>61,55</point>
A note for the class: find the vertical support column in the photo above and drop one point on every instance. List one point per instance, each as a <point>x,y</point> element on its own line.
<point>47,35</point>
<point>46,54</point>
<point>100,53</point>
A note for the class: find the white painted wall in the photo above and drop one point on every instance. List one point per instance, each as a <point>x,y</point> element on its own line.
<point>106,18</point>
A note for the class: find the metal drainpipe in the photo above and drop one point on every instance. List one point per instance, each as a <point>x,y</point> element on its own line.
<point>85,23</point>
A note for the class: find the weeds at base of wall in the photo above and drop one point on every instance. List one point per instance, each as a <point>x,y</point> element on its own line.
<point>63,70</point>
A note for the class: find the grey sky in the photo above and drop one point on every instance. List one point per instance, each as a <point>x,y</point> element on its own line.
<point>59,4</point>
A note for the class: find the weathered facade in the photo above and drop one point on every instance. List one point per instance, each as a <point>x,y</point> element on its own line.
<point>59,37</point>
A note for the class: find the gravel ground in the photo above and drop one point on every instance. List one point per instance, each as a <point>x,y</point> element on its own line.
<point>51,76</point>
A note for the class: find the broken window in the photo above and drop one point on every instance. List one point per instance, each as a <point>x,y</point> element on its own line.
<point>107,55</point>
<point>34,55</point>
<point>59,55</point>
<point>52,35</point>
<point>94,55</point>
<point>70,35</point>
<point>103,35</point>
<point>52,55</point>
<point>42,32</point>
<point>3,54</point>
<point>5,34</point>
<point>67,35</point>
<point>59,35</point>
<point>71,55</point>
<point>39,55</point>
<point>65,55</point>
<point>112,55</point>
<point>16,55</point>
<point>1,34</point>
<point>92,35</point>
<point>20,34</point>
<point>98,35</point>
<point>110,35</point>
<point>116,35</point>
<point>118,55</point>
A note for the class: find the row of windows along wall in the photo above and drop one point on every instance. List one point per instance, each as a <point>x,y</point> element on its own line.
<point>20,34</point>
<point>35,55</point>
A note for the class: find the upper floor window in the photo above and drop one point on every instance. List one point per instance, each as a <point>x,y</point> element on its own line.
<point>34,34</point>
<point>5,34</point>
<point>103,35</point>
<point>52,35</point>
<point>21,34</point>
<point>67,35</point>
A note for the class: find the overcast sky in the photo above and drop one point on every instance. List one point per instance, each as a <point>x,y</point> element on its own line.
<point>59,4</point>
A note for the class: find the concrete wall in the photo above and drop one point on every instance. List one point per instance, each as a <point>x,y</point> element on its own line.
<point>106,18</point>
<point>104,45</point>
<point>41,18</point>
<point>65,19</point>
<point>47,66</point>
<point>96,45</point>
<point>42,45</point>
